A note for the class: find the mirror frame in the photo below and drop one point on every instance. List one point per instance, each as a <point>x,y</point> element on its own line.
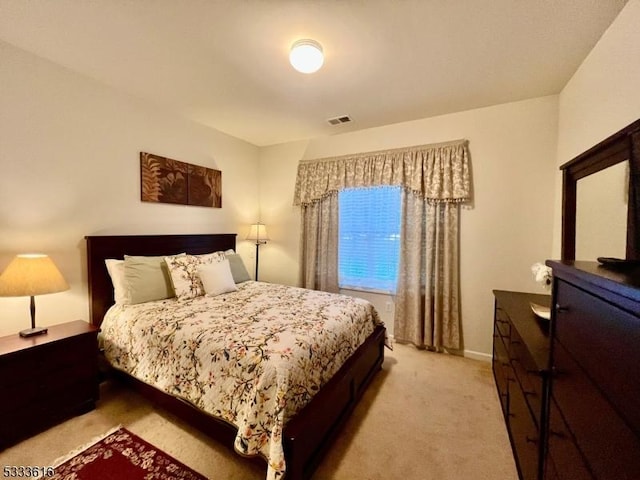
<point>622,145</point>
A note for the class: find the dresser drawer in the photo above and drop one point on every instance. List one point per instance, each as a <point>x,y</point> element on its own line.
<point>550,472</point>
<point>502,371</point>
<point>605,341</point>
<point>524,435</point>
<point>503,323</point>
<point>564,460</point>
<point>530,380</point>
<point>610,448</point>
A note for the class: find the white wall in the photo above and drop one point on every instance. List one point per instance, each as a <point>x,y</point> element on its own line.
<point>69,167</point>
<point>602,97</point>
<point>509,227</point>
<point>69,148</point>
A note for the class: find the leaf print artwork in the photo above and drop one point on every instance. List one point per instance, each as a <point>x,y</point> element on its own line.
<point>166,180</point>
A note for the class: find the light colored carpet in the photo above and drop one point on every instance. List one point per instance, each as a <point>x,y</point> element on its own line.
<point>425,416</point>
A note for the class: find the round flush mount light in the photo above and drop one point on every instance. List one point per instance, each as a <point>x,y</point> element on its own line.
<point>306,56</point>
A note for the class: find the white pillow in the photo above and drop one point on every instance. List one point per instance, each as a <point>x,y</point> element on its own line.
<point>217,278</point>
<point>120,289</point>
<point>184,273</point>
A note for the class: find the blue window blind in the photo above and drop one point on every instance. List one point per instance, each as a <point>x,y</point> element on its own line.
<point>369,238</point>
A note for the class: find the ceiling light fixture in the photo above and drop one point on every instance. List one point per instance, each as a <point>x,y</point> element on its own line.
<point>306,56</point>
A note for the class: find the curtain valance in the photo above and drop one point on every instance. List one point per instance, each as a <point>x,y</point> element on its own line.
<point>440,173</point>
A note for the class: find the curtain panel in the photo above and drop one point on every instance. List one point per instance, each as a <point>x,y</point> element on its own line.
<point>438,173</point>
<point>319,245</point>
<point>435,180</point>
<point>427,303</point>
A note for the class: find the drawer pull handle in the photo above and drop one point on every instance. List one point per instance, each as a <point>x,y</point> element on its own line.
<point>553,433</point>
<point>529,393</point>
<point>561,309</point>
<point>531,439</point>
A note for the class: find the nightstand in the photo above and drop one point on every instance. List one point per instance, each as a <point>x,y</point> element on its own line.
<point>46,379</point>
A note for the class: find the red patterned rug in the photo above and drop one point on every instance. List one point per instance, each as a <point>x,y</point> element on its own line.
<point>121,455</point>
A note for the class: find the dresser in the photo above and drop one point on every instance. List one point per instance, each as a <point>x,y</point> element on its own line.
<point>46,379</point>
<point>594,404</point>
<point>520,367</point>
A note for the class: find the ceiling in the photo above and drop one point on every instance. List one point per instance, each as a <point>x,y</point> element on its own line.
<point>224,63</point>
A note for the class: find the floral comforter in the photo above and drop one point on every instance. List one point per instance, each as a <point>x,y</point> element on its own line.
<point>253,357</point>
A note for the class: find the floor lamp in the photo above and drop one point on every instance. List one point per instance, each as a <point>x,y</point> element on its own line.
<point>258,233</point>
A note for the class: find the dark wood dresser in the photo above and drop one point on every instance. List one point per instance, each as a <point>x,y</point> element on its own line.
<point>46,379</point>
<point>594,406</point>
<point>520,368</point>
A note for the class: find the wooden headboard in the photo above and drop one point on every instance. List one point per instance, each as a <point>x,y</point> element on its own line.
<point>100,248</point>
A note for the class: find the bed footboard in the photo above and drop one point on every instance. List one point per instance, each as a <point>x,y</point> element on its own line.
<point>309,434</point>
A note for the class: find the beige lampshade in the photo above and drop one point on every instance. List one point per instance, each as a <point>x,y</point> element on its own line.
<point>29,275</point>
<point>258,233</point>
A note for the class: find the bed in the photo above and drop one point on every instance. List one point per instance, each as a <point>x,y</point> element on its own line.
<point>308,432</point>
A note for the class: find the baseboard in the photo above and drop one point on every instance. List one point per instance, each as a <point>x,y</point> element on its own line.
<point>485,357</point>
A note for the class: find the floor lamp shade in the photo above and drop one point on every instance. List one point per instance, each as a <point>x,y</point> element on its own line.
<point>29,275</point>
<point>258,233</point>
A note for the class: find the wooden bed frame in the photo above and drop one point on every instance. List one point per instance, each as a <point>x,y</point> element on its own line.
<point>309,434</point>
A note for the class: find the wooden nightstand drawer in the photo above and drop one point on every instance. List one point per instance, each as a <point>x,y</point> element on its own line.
<point>31,419</point>
<point>46,379</point>
<point>35,389</point>
<point>24,366</point>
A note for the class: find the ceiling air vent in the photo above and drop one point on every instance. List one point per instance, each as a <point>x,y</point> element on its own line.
<point>339,120</point>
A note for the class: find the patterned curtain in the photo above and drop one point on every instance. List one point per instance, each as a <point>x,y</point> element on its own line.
<point>436,180</point>
<point>438,173</point>
<point>427,311</point>
<point>319,241</point>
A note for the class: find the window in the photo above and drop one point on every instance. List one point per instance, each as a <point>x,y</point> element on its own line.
<point>369,238</point>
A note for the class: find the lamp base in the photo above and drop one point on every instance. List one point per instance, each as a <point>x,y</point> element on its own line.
<point>30,332</point>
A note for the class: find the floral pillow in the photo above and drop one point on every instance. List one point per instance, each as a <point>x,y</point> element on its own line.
<point>184,273</point>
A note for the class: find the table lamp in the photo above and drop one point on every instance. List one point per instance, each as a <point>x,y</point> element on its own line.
<point>28,275</point>
<point>258,233</point>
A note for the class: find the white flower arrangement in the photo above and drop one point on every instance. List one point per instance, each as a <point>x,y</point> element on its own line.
<point>542,274</point>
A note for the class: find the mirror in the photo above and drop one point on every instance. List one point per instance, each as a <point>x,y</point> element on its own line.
<point>601,221</point>
<point>601,213</point>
